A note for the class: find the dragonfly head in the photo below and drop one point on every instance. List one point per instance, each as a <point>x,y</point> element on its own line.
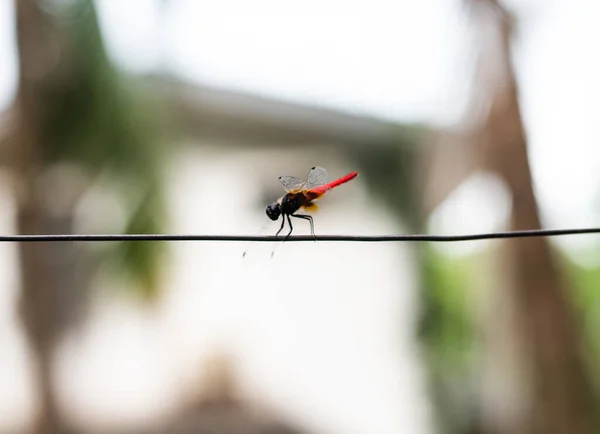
<point>273,211</point>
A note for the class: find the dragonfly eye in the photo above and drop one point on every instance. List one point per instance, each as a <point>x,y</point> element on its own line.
<point>273,211</point>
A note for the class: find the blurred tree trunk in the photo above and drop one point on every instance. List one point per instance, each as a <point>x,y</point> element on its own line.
<point>544,330</point>
<point>48,287</point>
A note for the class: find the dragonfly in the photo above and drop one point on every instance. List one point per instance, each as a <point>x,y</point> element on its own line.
<point>303,195</point>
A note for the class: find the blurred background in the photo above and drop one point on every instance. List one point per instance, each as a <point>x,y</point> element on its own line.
<point>178,116</point>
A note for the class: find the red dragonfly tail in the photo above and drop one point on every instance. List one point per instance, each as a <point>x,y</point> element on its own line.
<point>322,189</point>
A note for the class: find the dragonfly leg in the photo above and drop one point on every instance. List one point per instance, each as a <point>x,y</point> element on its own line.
<point>282,225</point>
<point>310,220</point>
<point>291,227</point>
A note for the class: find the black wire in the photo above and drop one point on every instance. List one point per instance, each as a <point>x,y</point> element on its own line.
<point>357,238</point>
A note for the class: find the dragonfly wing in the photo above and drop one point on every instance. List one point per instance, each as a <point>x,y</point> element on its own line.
<point>291,183</point>
<point>316,178</point>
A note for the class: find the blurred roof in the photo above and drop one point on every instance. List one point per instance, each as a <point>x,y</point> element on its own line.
<point>202,111</point>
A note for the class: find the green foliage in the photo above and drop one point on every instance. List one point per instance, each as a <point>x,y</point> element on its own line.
<point>390,171</point>
<point>98,119</point>
<point>586,300</point>
<point>446,325</point>
<point>142,259</point>
<point>448,336</point>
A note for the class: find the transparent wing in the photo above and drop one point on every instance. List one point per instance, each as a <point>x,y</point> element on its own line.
<point>316,178</point>
<point>291,183</point>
